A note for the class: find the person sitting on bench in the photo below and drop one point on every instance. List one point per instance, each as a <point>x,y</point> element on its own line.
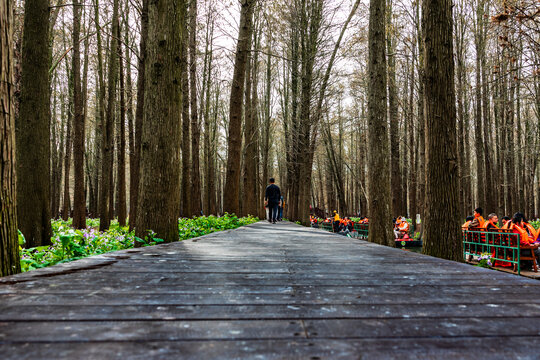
<point>492,222</point>
<point>505,220</point>
<point>478,221</point>
<point>402,227</point>
<point>525,238</point>
<point>468,220</point>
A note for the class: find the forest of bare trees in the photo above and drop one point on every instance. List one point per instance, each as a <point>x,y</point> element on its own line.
<point>150,111</point>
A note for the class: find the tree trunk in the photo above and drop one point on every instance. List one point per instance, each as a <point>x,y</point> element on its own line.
<point>159,189</point>
<point>186,121</point>
<point>442,233</point>
<point>231,195</point>
<point>250,182</point>
<point>380,203</point>
<point>196,205</point>
<point>79,198</point>
<point>33,128</point>
<point>479,141</point>
<point>121,141</point>
<point>9,246</point>
<point>105,198</point>
<point>395,183</point>
<point>135,161</point>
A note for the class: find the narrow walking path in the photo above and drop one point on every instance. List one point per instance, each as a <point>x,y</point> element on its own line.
<point>271,292</point>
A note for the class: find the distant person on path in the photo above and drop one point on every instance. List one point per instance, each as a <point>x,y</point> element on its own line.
<point>272,199</point>
<point>336,221</point>
<point>281,206</point>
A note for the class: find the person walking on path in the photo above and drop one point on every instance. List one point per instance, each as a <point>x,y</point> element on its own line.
<point>281,206</point>
<point>272,199</point>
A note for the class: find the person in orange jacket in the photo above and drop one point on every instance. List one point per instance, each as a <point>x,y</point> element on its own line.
<point>468,220</point>
<point>530,229</point>
<point>491,223</point>
<point>505,220</point>
<point>478,221</point>
<point>518,226</point>
<point>401,227</point>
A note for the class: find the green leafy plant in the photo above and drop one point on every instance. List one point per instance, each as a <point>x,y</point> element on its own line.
<point>484,260</point>
<point>69,244</point>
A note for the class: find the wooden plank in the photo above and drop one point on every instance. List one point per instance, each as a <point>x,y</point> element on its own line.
<point>272,292</point>
<point>313,349</point>
<point>265,311</point>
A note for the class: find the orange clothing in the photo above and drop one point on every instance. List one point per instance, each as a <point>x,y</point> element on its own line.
<point>532,231</point>
<point>487,225</point>
<point>404,227</point>
<point>478,221</point>
<point>524,238</point>
<point>465,226</point>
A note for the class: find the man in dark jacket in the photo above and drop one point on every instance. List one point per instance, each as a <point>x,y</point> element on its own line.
<point>272,197</point>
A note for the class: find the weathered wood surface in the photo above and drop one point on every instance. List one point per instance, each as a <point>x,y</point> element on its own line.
<point>270,292</point>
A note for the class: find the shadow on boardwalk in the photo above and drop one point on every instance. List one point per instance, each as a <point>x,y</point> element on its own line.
<point>272,292</point>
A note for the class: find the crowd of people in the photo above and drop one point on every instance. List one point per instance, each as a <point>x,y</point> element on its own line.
<point>518,224</point>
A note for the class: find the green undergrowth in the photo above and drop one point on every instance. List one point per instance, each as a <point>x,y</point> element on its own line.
<point>69,244</point>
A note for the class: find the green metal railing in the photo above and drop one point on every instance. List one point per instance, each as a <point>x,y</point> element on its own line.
<point>362,231</point>
<point>501,245</point>
<point>327,226</point>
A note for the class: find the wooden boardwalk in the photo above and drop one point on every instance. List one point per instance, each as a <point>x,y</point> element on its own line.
<point>268,292</point>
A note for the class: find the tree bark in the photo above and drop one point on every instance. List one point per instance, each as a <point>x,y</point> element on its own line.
<point>9,246</point>
<point>135,161</point>
<point>33,128</point>
<point>395,181</point>
<point>442,233</point>
<point>121,141</point>
<point>380,203</point>
<point>231,196</point>
<point>196,204</point>
<point>79,197</point>
<point>106,211</point>
<point>186,121</point>
<point>159,189</point>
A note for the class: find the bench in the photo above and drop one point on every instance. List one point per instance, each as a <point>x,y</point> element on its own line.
<point>503,245</point>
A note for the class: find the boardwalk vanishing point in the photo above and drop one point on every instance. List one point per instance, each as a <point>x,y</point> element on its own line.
<point>268,292</point>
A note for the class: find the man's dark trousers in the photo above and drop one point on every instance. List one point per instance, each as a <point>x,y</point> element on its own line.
<point>272,212</point>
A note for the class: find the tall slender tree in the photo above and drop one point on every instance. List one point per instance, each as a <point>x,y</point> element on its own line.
<point>380,203</point>
<point>135,160</point>
<point>9,246</point>
<point>121,141</point>
<point>442,237</point>
<point>159,189</point>
<point>231,196</point>
<point>196,202</point>
<point>79,195</point>
<point>106,210</point>
<point>33,128</point>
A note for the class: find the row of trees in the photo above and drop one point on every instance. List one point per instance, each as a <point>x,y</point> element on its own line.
<point>146,111</point>
<point>498,119</point>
